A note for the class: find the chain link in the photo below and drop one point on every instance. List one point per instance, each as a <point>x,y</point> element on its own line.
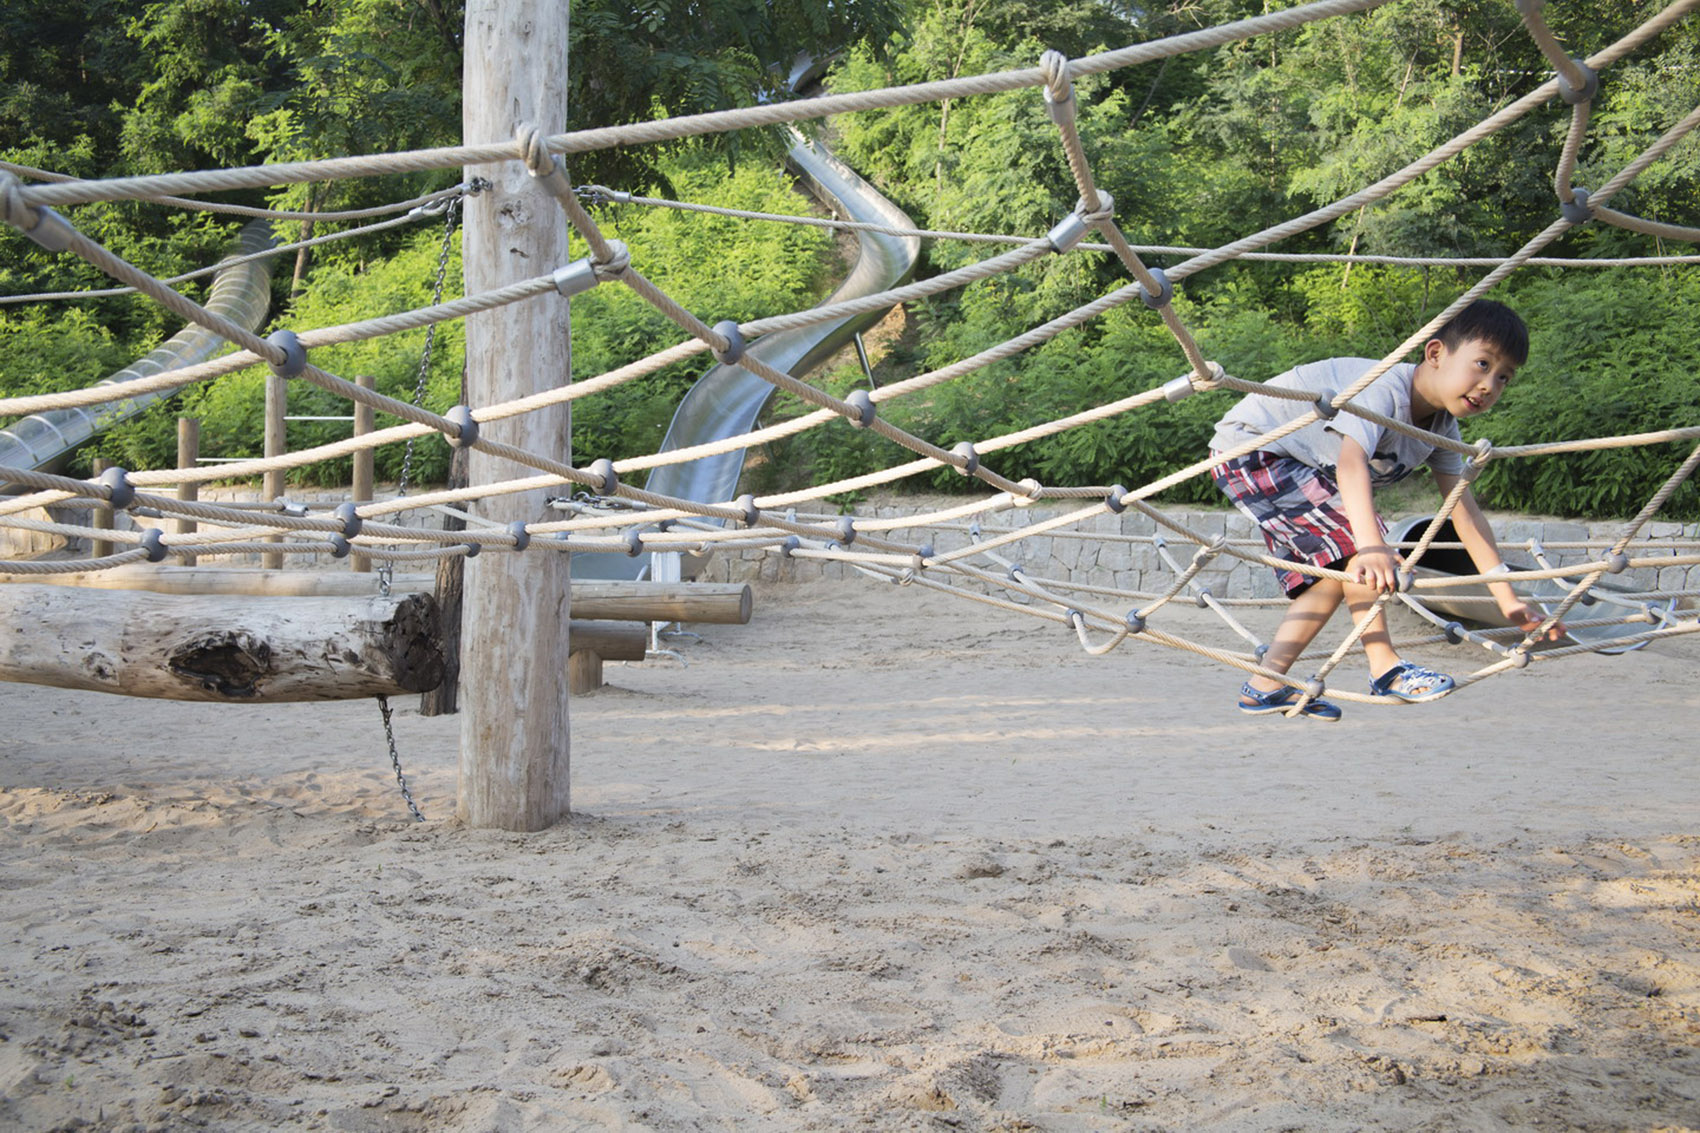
<point>395,758</point>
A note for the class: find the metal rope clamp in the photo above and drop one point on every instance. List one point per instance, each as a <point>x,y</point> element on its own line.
<point>46,227</point>
<point>1059,89</point>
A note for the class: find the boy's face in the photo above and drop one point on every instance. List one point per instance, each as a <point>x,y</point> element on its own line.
<point>1465,381</point>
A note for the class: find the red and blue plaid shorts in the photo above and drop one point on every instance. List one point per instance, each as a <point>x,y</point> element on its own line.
<point>1297,508</point>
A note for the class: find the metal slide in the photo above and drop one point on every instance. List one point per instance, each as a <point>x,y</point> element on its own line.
<point>240,293</point>
<point>726,401</point>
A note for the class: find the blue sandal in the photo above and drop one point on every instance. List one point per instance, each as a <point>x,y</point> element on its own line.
<point>1255,703</point>
<point>1412,684</point>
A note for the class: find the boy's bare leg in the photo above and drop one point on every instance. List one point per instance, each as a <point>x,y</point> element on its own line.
<point>1306,615</point>
<point>1378,646</point>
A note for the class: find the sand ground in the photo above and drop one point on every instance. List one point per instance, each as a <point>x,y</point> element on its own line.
<point>877,860</point>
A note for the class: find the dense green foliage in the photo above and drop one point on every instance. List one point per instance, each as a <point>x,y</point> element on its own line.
<point>1197,150</point>
<point>1209,147</point>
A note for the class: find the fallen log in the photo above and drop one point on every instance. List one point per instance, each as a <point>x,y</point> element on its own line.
<point>209,648</point>
<point>713,603</point>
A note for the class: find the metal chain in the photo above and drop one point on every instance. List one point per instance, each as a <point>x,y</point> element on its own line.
<point>395,758</point>
<point>387,570</point>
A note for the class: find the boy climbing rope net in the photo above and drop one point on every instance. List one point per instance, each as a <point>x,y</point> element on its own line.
<point>1311,493</point>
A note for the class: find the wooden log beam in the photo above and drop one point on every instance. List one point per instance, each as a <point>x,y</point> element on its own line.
<point>711,603</point>
<point>595,642</point>
<point>234,650</point>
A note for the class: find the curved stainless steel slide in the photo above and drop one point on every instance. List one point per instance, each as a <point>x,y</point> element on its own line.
<point>726,401</point>
<point>240,293</point>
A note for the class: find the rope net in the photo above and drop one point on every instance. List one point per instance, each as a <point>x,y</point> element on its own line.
<point>964,549</point>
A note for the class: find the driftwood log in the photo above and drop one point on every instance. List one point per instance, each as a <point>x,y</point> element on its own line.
<point>232,650</point>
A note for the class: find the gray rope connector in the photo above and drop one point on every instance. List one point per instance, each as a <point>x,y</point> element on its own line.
<point>1577,210</point>
<point>970,459</point>
<point>1072,229</point>
<point>634,542</point>
<point>349,514</point>
<point>340,547</point>
<point>1590,87</point>
<point>1325,408</point>
<point>575,278</point>
<point>1314,688</point>
<point>1135,621</point>
<point>120,493</point>
<point>522,537</point>
<point>472,549</point>
<point>1454,633</point>
<point>461,416</point>
<point>728,329</point>
<point>1113,501</point>
<point>46,227</point>
<point>1063,107</point>
<point>1179,389</point>
<point>863,404</point>
<point>746,503</point>
<point>1617,562</point>
<point>922,553</point>
<point>1165,290</point>
<point>153,542</point>
<point>294,354</point>
<point>791,544</point>
<point>1068,232</point>
<point>846,530</point>
<point>608,480</point>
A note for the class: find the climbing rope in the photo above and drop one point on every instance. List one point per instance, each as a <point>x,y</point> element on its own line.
<point>648,521</point>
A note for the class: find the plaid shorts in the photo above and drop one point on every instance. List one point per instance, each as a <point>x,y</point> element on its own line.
<point>1297,508</point>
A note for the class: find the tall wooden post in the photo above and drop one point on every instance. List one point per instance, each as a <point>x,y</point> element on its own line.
<point>188,456</point>
<point>364,470</point>
<point>272,484</point>
<point>102,518</point>
<point>514,740</point>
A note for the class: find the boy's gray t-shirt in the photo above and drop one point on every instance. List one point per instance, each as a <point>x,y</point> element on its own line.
<point>1393,455</point>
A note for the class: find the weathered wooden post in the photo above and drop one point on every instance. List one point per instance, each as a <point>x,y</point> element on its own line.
<point>101,518</point>
<point>364,471</point>
<point>514,739</point>
<point>272,483</point>
<point>188,456</point>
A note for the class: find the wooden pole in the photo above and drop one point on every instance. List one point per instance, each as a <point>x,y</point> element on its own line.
<point>364,480</point>
<point>277,406</point>
<point>514,741</point>
<point>188,455</point>
<point>450,584</point>
<point>101,518</point>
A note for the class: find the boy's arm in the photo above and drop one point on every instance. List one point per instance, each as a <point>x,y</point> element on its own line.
<point>1376,564</point>
<point>1476,533</point>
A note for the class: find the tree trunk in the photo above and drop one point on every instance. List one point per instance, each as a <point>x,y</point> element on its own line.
<point>237,650</point>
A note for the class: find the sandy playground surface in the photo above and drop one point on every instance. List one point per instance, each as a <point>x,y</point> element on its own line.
<point>878,860</point>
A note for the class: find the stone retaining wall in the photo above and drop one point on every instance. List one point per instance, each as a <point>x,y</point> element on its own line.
<point>1119,551</point>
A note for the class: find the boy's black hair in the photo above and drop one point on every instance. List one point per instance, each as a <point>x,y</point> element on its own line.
<point>1494,323</point>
